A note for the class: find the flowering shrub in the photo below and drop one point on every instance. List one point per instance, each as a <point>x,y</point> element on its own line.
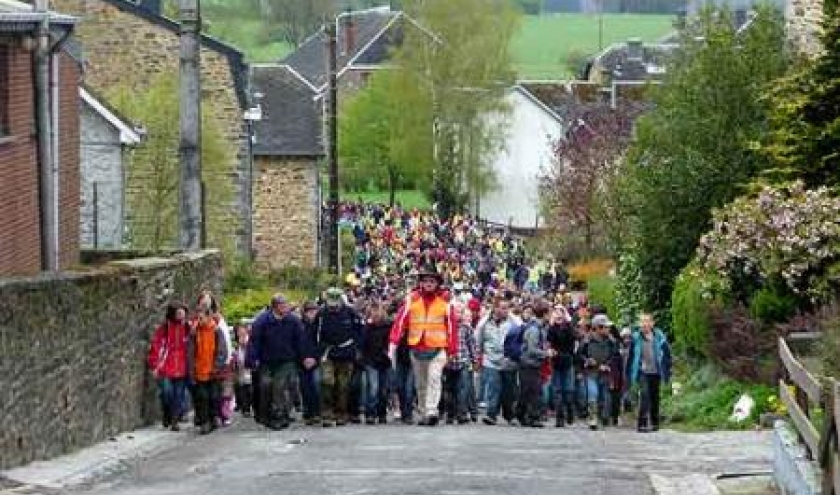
<point>787,234</point>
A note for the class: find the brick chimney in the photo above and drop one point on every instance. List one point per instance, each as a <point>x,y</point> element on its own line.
<point>349,30</point>
<point>153,6</point>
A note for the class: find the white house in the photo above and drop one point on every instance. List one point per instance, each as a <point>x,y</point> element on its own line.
<point>105,139</point>
<point>534,124</point>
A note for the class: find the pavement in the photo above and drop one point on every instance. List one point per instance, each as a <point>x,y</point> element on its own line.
<point>246,459</point>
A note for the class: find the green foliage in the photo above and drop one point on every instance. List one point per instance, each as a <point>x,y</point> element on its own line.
<point>706,400</point>
<point>452,83</point>
<point>771,305</point>
<point>153,178</point>
<point>601,291</point>
<point>693,150</point>
<point>248,303</point>
<point>376,139</point>
<point>305,281</point>
<point>691,303</point>
<point>242,274</point>
<point>805,132</point>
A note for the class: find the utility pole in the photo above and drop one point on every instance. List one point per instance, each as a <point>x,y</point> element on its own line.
<point>332,146</point>
<point>190,147</point>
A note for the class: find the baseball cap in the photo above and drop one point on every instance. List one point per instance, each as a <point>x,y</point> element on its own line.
<point>601,321</point>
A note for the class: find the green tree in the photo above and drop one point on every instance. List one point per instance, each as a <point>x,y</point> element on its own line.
<point>805,139</point>
<point>375,142</point>
<point>459,80</point>
<point>152,169</point>
<point>694,151</point>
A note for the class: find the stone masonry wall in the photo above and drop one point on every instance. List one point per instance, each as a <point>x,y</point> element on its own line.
<point>74,348</point>
<point>125,49</point>
<point>286,211</point>
<point>803,25</point>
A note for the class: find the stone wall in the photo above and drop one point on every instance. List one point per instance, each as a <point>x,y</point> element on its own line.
<point>102,164</point>
<point>286,212</point>
<point>125,49</point>
<point>74,347</point>
<point>804,19</point>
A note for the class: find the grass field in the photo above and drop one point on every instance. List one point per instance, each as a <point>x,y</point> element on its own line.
<point>541,50</point>
<point>408,198</point>
<point>545,43</point>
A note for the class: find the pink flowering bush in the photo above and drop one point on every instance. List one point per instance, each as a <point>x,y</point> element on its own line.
<point>784,236</point>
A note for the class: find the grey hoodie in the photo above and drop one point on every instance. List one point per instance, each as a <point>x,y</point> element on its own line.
<point>533,345</point>
<point>491,343</point>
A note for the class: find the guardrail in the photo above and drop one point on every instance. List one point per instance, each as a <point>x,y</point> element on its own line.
<point>820,445</point>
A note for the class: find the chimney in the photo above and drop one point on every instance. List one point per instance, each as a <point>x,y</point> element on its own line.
<point>635,50</point>
<point>153,6</point>
<point>349,31</point>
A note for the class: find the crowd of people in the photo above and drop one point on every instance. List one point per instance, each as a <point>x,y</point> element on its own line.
<point>438,321</point>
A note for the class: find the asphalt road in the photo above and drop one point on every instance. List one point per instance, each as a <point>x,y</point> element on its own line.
<point>248,460</point>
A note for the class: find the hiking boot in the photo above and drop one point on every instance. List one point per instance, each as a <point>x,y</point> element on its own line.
<point>428,421</point>
<point>642,429</point>
<point>278,425</point>
<point>175,427</point>
<point>408,420</point>
<point>450,420</point>
<point>560,422</point>
<point>355,420</point>
<point>463,420</point>
<point>593,424</point>
<point>341,422</point>
<point>537,424</point>
<point>383,420</point>
<point>489,420</point>
<point>370,421</point>
<point>313,421</point>
<point>205,429</point>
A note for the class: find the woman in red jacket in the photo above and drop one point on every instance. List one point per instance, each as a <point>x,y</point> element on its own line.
<point>168,362</point>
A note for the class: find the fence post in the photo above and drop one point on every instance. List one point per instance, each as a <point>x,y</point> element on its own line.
<point>95,216</point>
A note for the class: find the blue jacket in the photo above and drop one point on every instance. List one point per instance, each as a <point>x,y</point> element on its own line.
<point>277,340</point>
<point>661,349</point>
<point>533,345</point>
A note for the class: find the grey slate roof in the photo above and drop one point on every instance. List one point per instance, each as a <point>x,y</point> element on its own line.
<point>651,66</point>
<point>291,119</point>
<point>310,59</point>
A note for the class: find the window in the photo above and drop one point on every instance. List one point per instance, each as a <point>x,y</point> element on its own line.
<point>5,62</point>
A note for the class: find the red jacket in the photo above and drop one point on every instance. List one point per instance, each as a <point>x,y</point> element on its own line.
<point>168,351</point>
<point>401,325</point>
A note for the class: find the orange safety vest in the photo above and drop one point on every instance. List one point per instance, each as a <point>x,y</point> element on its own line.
<point>429,327</point>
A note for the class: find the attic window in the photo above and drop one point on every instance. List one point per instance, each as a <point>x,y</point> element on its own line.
<point>5,62</point>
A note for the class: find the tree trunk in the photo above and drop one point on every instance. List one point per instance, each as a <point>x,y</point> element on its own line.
<point>392,187</point>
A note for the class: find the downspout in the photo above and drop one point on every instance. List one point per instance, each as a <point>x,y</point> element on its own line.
<point>55,156</point>
<point>47,181</point>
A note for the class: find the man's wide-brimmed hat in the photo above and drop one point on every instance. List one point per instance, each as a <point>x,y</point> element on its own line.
<point>429,271</point>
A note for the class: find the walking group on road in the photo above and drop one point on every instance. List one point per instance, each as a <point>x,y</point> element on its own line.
<point>439,321</point>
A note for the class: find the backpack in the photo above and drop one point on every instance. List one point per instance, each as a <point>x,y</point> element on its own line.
<point>514,341</point>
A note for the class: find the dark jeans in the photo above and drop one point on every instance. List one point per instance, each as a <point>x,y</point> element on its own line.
<point>404,384</point>
<point>454,393</point>
<point>502,392</point>
<point>205,396</point>
<point>376,392</point>
<point>276,380</point>
<point>172,392</point>
<point>649,401</point>
<point>310,391</point>
<point>244,398</point>
<point>563,382</point>
<point>469,386</point>
<point>335,389</point>
<point>529,400</point>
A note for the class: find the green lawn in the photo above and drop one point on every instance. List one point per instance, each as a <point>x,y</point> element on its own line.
<point>408,198</point>
<point>544,44</point>
<point>248,36</point>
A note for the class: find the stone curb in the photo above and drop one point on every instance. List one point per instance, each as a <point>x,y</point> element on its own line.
<point>693,484</point>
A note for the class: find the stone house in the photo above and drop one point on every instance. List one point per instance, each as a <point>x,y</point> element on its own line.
<point>804,24</point>
<point>35,189</point>
<point>287,151</point>
<point>288,133</point>
<point>128,44</point>
<point>105,139</point>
